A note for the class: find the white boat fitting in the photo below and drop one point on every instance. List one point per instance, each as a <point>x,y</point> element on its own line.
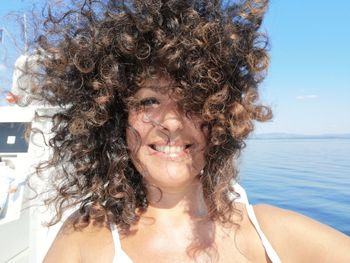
<point>23,237</point>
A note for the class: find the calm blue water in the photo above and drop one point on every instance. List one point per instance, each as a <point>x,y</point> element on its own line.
<point>309,176</point>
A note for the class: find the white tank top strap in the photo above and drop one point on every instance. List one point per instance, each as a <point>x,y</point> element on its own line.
<point>271,253</point>
<point>252,217</point>
<point>118,251</point>
<point>242,195</point>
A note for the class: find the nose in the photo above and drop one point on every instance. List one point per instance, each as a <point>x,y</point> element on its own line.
<point>172,117</point>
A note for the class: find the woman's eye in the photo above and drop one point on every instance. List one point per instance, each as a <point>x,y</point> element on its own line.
<point>149,102</point>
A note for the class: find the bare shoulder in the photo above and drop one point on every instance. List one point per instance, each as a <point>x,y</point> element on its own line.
<point>91,243</point>
<point>298,238</point>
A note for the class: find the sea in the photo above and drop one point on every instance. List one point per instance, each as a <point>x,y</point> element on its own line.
<point>309,175</point>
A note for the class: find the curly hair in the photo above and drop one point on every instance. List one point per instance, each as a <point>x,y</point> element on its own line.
<point>92,58</point>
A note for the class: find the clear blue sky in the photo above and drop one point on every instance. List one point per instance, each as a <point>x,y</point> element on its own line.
<point>308,84</point>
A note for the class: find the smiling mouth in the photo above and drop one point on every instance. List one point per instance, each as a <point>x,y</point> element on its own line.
<point>170,150</point>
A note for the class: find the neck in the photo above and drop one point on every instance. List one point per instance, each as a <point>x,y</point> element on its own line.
<point>176,205</point>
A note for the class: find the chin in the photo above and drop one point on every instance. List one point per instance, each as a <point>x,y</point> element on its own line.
<point>172,176</point>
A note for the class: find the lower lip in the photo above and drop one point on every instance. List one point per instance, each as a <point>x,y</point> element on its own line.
<point>171,156</point>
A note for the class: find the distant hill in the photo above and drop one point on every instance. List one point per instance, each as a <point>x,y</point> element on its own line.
<point>276,136</point>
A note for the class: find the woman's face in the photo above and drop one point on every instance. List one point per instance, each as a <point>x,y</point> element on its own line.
<point>167,146</point>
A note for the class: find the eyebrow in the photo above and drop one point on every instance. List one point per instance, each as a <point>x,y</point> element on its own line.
<point>162,88</point>
<point>158,85</point>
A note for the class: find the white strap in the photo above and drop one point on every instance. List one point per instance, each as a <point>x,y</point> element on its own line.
<point>268,248</point>
<point>242,194</point>
<point>116,240</point>
<point>118,251</point>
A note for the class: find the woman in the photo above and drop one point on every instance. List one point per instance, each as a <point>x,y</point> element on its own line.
<point>159,97</point>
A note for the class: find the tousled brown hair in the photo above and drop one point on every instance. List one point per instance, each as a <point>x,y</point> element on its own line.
<point>91,58</point>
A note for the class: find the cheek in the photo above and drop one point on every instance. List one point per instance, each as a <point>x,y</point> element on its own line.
<point>131,140</point>
<point>136,132</point>
<point>202,132</point>
<point>205,132</point>
<point>132,134</point>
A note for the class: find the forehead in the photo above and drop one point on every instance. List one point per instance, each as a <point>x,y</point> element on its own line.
<point>155,85</point>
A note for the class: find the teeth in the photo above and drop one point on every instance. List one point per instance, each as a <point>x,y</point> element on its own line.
<point>170,149</point>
